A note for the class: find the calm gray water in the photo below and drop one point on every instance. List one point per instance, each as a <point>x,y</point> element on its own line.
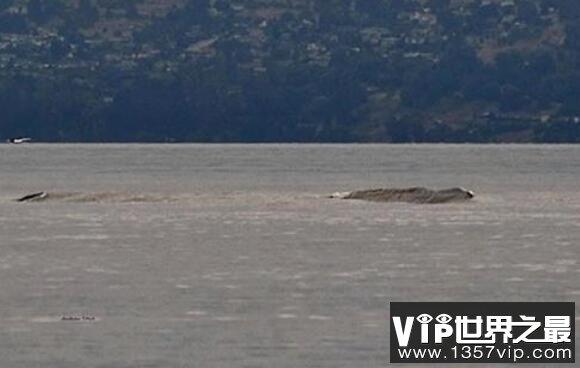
<point>232,256</point>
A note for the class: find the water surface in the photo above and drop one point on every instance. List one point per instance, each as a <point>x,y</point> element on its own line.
<point>234,257</point>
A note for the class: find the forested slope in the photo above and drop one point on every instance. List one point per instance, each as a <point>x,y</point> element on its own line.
<point>290,70</point>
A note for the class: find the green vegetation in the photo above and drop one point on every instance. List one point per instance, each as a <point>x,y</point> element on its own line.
<point>303,70</point>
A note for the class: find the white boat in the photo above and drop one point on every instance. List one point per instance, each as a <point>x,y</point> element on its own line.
<point>19,140</point>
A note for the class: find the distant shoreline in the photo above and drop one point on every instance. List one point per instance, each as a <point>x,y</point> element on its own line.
<point>36,143</point>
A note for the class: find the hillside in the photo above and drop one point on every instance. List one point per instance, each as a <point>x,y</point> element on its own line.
<point>281,70</point>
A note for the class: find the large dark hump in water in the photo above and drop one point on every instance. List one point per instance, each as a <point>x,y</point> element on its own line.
<point>412,195</point>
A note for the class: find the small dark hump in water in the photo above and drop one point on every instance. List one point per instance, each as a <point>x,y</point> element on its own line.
<point>32,197</point>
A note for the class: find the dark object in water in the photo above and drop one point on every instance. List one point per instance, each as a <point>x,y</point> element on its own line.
<point>33,197</point>
<point>410,195</point>
<point>95,197</point>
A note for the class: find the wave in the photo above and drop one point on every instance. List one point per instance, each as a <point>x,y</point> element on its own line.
<point>95,197</point>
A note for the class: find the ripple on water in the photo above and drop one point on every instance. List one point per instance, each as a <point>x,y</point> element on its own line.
<point>286,316</point>
<point>316,317</point>
<point>196,313</point>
